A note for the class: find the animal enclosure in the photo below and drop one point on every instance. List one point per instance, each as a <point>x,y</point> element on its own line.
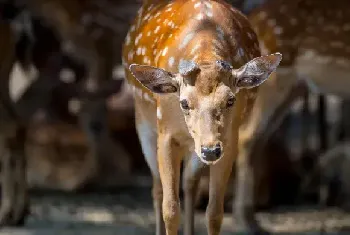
<point>74,154</point>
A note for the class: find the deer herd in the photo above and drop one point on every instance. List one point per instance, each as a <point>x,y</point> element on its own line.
<point>210,85</point>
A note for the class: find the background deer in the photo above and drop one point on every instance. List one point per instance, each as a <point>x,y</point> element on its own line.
<point>192,72</point>
<point>87,31</point>
<point>92,42</point>
<point>313,37</point>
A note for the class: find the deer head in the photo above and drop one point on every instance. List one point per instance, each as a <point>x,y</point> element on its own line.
<point>207,94</point>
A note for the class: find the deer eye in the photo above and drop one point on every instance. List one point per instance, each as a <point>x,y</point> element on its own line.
<point>184,104</point>
<point>230,102</point>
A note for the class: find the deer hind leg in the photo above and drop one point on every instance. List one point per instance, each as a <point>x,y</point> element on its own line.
<point>219,177</point>
<point>169,163</point>
<point>272,103</point>
<point>191,177</point>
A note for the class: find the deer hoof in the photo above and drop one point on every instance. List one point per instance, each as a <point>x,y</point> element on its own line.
<point>13,217</point>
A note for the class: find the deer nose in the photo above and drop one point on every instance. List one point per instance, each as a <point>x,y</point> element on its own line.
<point>211,154</point>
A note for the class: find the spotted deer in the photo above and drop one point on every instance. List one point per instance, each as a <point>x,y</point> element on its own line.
<point>313,36</point>
<point>15,114</point>
<point>195,67</point>
<point>87,31</point>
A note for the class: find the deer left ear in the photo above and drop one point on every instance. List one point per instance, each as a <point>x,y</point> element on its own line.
<point>256,71</point>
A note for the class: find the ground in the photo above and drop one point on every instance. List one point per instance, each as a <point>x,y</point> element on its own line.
<point>129,211</point>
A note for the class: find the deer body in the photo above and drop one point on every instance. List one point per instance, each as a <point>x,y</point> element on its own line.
<point>48,59</point>
<point>88,32</point>
<point>313,37</point>
<point>186,51</point>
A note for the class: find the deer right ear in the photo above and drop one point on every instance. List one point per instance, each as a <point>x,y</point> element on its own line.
<point>155,79</point>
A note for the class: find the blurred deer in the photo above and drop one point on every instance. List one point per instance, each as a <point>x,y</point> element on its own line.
<point>92,115</point>
<point>314,37</point>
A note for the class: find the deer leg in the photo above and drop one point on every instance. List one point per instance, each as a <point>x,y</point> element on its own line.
<point>244,202</point>
<point>14,201</point>
<point>21,208</point>
<point>169,160</point>
<point>191,177</point>
<point>271,106</point>
<point>219,176</point>
<point>148,141</point>
<point>7,186</point>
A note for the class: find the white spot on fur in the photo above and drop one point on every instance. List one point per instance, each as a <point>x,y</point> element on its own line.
<point>157,29</point>
<point>130,55</point>
<point>208,4</point>
<point>197,5</point>
<point>159,113</point>
<point>171,61</point>
<point>147,97</point>
<point>209,13</point>
<point>67,75</point>
<point>138,37</point>
<point>199,16</point>
<point>186,40</point>
<point>278,30</point>
<point>127,39</point>
<point>143,52</point>
<point>165,51</point>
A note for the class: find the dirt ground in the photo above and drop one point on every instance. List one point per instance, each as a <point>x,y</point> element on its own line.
<point>129,211</point>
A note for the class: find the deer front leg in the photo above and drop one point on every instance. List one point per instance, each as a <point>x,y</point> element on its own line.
<point>14,201</point>
<point>7,186</point>
<point>191,177</point>
<point>169,160</point>
<point>148,141</point>
<point>21,198</point>
<point>219,176</point>
<point>244,206</point>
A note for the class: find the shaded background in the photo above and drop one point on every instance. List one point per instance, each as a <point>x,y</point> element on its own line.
<point>86,193</point>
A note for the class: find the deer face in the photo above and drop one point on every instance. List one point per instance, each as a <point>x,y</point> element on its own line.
<point>207,94</point>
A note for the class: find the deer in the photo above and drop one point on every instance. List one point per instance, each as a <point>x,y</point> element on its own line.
<point>314,40</point>
<point>43,66</point>
<point>87,31</point>
<point>195,67</point>
<point>90,43</point>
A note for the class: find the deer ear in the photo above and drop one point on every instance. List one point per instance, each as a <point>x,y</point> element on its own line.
<point>256,71</point>
<point>155,79</point>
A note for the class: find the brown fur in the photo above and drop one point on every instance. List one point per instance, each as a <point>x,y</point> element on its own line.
<point>164,34</point>
<point>313,39</point>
